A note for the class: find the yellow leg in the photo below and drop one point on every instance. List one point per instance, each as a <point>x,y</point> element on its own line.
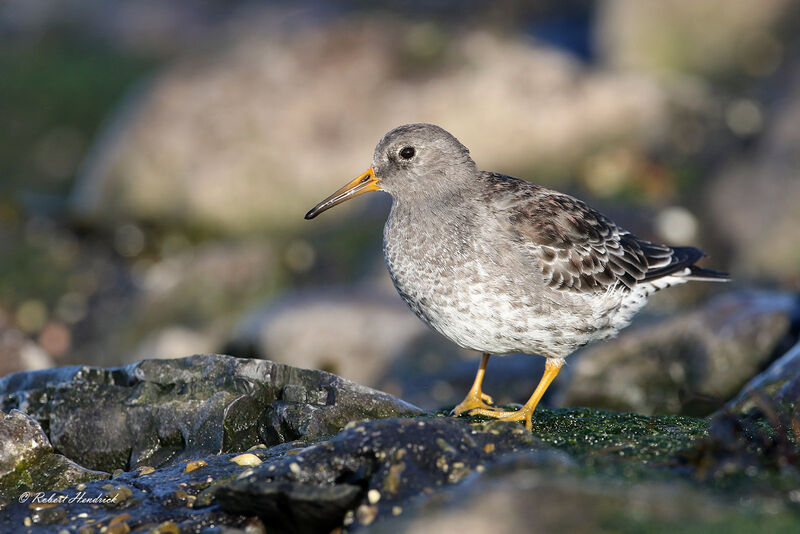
<point>475,398</point>
<point>551,368</point>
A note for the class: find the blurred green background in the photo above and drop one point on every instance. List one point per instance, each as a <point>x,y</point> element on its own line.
<point>156,159</point>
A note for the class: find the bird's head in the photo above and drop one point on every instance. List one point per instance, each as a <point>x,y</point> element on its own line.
<point>415,160</point>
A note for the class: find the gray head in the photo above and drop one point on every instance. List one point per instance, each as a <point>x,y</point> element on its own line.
<point>421,159</point>
<point>410,161</point>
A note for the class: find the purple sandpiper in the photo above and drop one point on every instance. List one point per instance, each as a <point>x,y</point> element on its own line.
<point>500,265</point>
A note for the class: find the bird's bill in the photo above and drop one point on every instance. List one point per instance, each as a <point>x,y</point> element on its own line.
<point>363,184</point>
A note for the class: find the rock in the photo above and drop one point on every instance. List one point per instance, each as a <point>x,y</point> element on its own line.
<point>188,301</point>
<point>140,499</point>
<point>757,430</point>
<point>366,470</point>
<point>366,475</point>
<point>529,497</point>
<point>173,342</point>
<point>157,412</point>
<point>688,363</point>
<point>28,462</point>
<point>768,249</point>
<point>355,334</point>
<point>249,139</point>
<point>17,353</point>
<point>390,474</point>
<point>778,384</point>
<point>374,470</point>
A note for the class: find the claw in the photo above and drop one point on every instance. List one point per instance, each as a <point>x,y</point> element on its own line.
<point>471,402</point>
<point>475,399</point>
<point>525,413</point>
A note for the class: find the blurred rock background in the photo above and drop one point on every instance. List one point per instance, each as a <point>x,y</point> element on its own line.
<point>156,160</point>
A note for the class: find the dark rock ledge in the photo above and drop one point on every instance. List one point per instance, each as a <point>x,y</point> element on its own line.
<point>219,444</point>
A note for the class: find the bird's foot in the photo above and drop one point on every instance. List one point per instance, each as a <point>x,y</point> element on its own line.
<point>475,400</point>
<point>523,414</point>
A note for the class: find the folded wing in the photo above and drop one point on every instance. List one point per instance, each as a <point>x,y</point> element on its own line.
<point>578,249</point>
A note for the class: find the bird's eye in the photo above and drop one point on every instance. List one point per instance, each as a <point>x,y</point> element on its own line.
<point>407,152</point>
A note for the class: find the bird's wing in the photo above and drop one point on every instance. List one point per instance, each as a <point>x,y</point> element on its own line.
<point>575,247</point>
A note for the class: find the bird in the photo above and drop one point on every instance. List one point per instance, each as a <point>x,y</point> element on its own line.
<point>500,265</point>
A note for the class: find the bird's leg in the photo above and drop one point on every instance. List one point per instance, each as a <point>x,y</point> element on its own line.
<point>551,368</point>
<point>475,398</point>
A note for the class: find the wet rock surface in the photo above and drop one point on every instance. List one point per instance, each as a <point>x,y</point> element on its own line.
<point>275,462</point>
<point>779,384</point>
<point>159,411</point>
<point>368,471</point>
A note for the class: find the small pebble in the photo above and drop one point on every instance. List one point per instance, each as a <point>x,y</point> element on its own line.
<point>118,528</point>
<point>441,463</point>
<point>197,464</point>
<point>167,527</point>
<point>366,514</point>
<point>119,494</point>
<point>246,459</point>
<point>373,496</point>
<point>349,517</point>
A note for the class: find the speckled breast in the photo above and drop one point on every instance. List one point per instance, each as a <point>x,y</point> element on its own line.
<point>480,293</point>
<point>448,273</point>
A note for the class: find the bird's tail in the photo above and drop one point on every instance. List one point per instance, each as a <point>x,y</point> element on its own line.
<point>680,262</point>
<point>707,275</point>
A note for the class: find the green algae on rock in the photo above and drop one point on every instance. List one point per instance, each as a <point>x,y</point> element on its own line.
<point>587,432</point>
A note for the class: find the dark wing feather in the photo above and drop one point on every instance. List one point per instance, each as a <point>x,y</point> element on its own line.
<point>576,247</point>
